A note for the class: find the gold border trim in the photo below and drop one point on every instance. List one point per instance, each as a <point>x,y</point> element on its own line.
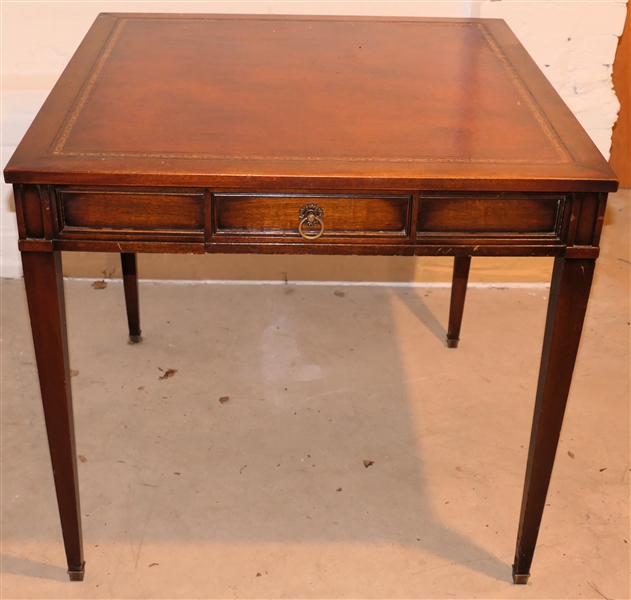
<point>377,159</point>
<point>88,88</point>
<point>525,94</point>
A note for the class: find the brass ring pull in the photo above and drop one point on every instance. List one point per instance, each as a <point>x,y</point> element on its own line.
<point>311,215</point>
<point>306,221</point>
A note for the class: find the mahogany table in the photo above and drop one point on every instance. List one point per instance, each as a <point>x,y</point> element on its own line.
<point>337,135</point>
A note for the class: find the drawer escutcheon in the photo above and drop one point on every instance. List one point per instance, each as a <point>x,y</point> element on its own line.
<point>311,215</point>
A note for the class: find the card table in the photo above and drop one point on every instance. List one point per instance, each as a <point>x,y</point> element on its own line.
<point>307,135</point>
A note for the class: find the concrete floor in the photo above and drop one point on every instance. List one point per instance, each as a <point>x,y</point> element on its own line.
<point>266,495</point>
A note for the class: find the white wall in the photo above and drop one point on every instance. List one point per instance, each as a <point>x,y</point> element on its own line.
<point>573,42</point>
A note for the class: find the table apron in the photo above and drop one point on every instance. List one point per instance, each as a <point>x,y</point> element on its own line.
<point>194,220</point>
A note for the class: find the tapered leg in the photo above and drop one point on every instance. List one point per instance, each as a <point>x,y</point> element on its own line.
<point>45,295</point>
<point>458,293</point>
<point>130,283</point>
<point>571,283</point>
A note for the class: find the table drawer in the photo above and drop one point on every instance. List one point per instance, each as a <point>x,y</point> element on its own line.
<point>128,210</point>
<point>506,215</point>
<point>317,217</point>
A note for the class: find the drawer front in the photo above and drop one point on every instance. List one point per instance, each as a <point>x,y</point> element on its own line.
<point>280,215</point>
<point>516,215</point>
<point>128,211</point>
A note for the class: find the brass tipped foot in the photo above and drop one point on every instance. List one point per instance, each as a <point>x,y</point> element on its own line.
<point>520,578</point>
<point>452,343</point>
<point>135,339</point>
<point>77,575</point>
